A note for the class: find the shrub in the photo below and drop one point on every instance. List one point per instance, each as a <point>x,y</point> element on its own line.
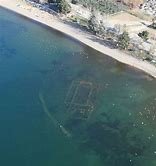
<point>64,7</point>
<point>93,24</point>
<point>74,1</point>
<point>123,40</point>
<point>144,35</point>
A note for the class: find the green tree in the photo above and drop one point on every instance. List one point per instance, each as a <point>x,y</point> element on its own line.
<point>74,1</point>
<point>123,40</point>
<point>93,24</point>
<point>144,35</point>
<point>64,6</point>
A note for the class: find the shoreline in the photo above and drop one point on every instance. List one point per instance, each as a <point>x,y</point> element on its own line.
<point>83,37</point>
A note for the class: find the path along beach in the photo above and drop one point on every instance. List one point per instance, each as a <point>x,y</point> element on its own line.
<point>88,39</point>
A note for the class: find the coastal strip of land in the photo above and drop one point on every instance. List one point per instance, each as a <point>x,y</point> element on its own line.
<point>22,8</point>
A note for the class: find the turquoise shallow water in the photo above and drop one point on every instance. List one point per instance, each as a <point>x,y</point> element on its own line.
<point>64,104</point>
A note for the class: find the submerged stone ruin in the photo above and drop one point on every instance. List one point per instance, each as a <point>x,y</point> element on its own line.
<point>79,99</point>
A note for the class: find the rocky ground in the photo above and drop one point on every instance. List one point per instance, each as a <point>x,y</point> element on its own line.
<point>150,7</point>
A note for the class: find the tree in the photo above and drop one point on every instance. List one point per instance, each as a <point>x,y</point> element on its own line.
<point>64,6</point>
<point>74,1</point>
<point>93,24</point>
<point>144,35</point>
<point>123,40</point>
<point>102,29</point>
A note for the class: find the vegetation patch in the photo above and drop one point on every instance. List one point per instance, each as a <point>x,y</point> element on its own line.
<point>104,6</point>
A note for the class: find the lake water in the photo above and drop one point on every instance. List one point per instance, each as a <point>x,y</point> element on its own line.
<point>64,104</point>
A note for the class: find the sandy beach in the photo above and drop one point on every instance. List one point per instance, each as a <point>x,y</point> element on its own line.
<point>33,13</point>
